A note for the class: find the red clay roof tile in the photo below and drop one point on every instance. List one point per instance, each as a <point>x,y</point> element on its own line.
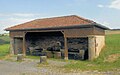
<point>52,22</point>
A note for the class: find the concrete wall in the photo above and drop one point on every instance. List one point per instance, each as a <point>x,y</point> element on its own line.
<point>95,45</point>
<point>100,43</point>
<point>91,47</point>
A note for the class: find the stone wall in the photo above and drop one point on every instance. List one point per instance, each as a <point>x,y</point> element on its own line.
<point>45,41</point>
<point>78,43</point>
<point>75,46</point>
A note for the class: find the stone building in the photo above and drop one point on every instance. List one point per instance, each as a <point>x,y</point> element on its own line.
<point>67,34</point>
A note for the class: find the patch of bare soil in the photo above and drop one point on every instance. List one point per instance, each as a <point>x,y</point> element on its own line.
<point>112,58</point>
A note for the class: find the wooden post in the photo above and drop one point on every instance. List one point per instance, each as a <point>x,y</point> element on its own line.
<point>66,47</point>
<point>24,45</point>
<point>11,45</point>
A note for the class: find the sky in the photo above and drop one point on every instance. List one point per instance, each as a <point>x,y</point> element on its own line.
<point>13,12</point>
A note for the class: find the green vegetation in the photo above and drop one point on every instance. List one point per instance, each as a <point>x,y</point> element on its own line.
<point>109,58</point>
<point>4,46</point>
<point>4,40</point>
<point>4,50</point>
<point>33,57</point>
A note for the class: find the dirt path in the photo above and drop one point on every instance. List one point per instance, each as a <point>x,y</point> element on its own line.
<point>30,67</point>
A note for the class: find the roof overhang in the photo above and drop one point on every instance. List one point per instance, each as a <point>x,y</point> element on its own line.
<point>63,27</point>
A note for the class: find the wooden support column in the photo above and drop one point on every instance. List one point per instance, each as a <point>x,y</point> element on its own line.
<point>24,44</point>
<point>11,45</point>
<point>66,49</point>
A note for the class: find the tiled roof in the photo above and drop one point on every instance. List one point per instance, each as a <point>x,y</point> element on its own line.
<point>52,22</point>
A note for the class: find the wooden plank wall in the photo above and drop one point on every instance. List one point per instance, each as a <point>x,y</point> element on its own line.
<point>99,31</point>
<point>16,33</point>
<point>74,32</point>
<point>78,32</point>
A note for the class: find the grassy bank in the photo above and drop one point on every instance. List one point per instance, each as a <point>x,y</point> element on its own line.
<point>109,58</point>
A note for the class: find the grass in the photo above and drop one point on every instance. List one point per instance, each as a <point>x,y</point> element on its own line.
<point>4,46</point>
<point>4,50</point>
<point>32,57</point>
<point>112,47</point>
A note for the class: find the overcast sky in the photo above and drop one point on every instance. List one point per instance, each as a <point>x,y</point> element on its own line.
<point>12,12</point>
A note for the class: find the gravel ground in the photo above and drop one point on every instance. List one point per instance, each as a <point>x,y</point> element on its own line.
<point>30,67</point>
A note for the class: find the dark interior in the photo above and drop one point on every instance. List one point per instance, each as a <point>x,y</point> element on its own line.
<point>77,48</point>
<point>18,45</point>
<point>45,41</point>
<point>54,41</point>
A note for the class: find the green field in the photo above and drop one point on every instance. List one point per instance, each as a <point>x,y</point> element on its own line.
<point>4,40</point>
<point>4,46</point>
<point>109,58</point>
<point>4,50</point>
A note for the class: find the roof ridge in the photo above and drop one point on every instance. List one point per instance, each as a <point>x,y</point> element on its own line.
<point>87,20</point>
<point>55,17</point>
